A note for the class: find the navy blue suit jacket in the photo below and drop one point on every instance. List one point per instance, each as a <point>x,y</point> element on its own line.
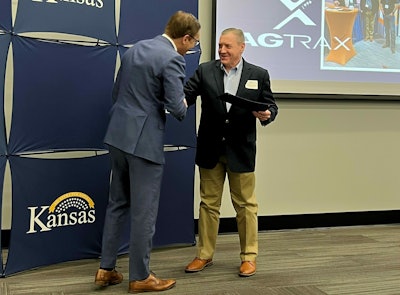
<point>233,132</point>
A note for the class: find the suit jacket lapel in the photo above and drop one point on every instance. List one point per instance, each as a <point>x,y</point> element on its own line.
<point>219,82</point>
<point>219,78</point>
<point>243,79</point>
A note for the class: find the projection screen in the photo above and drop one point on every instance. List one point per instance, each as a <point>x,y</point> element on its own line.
<point>312,48</point>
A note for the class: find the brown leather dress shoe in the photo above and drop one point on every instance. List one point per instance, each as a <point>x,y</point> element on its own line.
<point>198,264</point>
<point>247,269</point>
<point>152,283</point>
<point>107,277</point>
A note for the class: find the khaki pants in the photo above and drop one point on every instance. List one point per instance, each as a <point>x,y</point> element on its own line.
<point>369,25</point>
<point>243,198</point>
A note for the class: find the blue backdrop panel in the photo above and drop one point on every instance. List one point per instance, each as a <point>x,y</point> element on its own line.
<point>2,168</point>
<point>181,133</point>
<point>57,210</point>
<point>4,46</point>
<point>5,15</point>
<point>61,98</point>
<point>192,61</point>
<point>184,133</point>
<point>62,95</point>
<point>153,13</point>
<point>96,20</point>
<point>175,221</point>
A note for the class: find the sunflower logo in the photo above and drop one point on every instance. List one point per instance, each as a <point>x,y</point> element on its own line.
<point>78,200</point>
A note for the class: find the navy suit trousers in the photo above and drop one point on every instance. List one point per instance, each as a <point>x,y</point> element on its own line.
<point>134,194</point>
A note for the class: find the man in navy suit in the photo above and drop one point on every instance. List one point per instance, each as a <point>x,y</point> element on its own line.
<point>149,83</point>
<point>226,145</point>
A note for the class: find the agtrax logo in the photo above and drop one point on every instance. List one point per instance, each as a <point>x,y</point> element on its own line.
<point>296,7</point>
<point>70,209</point>
<point>93,3</point>
<point>284,37</point>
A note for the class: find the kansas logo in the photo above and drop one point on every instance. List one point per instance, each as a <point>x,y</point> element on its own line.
<point>93,3</point>
<point>73,208</point>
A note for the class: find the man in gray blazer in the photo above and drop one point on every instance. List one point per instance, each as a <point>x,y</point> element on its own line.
<point>226,145</point>
<point>149,82</point>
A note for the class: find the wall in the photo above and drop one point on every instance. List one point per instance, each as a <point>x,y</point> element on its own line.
<point>321,156</point>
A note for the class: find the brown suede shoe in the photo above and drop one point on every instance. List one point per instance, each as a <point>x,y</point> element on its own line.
<point>198,264</point>
<point>247,269</point>
<point>152,283</point>
<point>107,277</point>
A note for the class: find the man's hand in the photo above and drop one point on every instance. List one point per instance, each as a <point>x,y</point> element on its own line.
<point>262,115</point>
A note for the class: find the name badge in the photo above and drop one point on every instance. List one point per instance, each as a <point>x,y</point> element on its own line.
<point>251,84</point>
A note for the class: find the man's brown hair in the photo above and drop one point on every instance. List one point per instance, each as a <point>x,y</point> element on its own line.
<point>182,23</point>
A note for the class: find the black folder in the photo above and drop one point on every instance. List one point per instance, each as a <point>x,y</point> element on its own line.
<point>245,103</point>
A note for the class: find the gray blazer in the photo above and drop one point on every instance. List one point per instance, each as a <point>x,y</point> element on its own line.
<point>149,81</point>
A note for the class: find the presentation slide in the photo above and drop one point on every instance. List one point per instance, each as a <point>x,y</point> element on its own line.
<point>312,47</point>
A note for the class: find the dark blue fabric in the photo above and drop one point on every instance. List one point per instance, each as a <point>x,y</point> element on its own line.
<point>146,19</point>
<point>62,95</point>
<point>175,221</point>
<point>68,17</point>
<point>184,133</point>
<point>4,46</point>
<point>5,15</point>
<point>358,28</point>
<point>36,185</point>
<point>2,168</point>
<point>181,133</point>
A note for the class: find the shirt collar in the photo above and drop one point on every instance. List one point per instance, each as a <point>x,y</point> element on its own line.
<point>238,67</point>
<point>170,40</point>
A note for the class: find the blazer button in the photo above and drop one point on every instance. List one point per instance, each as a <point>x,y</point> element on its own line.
<point>226,121</point>
<point>223,138</point>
